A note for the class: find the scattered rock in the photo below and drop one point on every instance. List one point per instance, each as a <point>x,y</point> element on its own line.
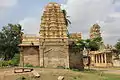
<point>36,74</point>
<point>60,77</point>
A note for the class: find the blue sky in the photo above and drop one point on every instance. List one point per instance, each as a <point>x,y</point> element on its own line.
<point>83,14</point>
<point>23,8</point>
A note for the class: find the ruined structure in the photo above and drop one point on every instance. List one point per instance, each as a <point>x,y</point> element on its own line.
<point>51,48</point>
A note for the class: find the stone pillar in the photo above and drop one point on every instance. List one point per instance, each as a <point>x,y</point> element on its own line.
<point>99,57</point>
<point>67,60</point>
<point>102,57</point>
<point>41,56</point>
<point>96,59</point>
<point>21,57</point>
<point>105,58</point>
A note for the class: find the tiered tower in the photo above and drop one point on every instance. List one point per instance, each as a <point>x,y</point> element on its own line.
<point>53,37</point>
<point>53,23</point>
<point>95,31</point>
<point>75,36</point>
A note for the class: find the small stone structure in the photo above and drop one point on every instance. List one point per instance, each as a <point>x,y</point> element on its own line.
<point>101,58</point>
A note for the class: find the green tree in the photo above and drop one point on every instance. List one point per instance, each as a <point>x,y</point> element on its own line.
<point>117,50</point>
<point>67,21</point>
<point>10,38</point>
<point>117,46</point>
<point>90,44</point>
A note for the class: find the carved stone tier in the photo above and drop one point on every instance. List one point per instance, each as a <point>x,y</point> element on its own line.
<point>95,31</point>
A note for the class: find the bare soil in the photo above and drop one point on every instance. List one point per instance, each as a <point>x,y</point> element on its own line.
<point>53,74</point>
<point>45,74</point>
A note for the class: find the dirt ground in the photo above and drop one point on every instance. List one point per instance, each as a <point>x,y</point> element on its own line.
<point>45,74</point>
<point>52,74</point>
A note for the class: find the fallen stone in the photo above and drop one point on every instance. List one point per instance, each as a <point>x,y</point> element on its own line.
<point>28,69</point>
<point>60,77</point>
<point>18,70</point>
<point>36,74</point>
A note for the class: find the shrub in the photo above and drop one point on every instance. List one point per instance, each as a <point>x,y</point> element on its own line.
<point>4,63</point>
<point>60,67</point>
<point>21,78</point>
<point>15,60</point>
<point>28,65</point>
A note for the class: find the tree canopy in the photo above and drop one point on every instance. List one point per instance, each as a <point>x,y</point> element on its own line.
<point>91,44</point>
<point>117,46</point>
<point>10,38</point>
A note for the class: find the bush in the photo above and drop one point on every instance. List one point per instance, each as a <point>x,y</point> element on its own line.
<point>4,63</point>
<point>21,78</point>
<point>60,67</point>
<point>28,65</point>
<point>12,62</point>
<point>15,60</point>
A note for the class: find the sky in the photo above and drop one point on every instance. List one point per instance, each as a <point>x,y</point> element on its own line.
<point>83,14</point>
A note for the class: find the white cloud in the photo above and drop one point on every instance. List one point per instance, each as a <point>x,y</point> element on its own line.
<point>30,25</point>
<point>5,5</point>
<point>8,3</point>
<point>84,13</point>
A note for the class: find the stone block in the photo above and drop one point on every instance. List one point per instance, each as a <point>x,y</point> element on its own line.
<point>36,74</point>
<point>61,78</point>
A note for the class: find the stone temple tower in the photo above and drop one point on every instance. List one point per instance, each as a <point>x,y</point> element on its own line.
<point>95,31</point>
<point>53,37</point>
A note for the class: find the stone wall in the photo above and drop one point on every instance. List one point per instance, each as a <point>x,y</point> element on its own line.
<point>76,59</point>
<point>30,55</point>
<point>54,55</point>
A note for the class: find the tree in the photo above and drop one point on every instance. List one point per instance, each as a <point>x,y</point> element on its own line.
<point>117,45</point>
<point>81,44</point>
<point>10,38</point>
<point>117,50</point>
<point>92,45</point>
<point>67,21</point>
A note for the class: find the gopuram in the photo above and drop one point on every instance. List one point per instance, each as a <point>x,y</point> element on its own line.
<point>51,48</point>
<point>104,56</point>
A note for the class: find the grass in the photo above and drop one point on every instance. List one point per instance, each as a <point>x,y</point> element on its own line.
<point>96,75</point>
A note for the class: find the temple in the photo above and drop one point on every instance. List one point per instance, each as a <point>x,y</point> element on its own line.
<point>104,56</point>
<point>52,47</point>
<point>53,37</point>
